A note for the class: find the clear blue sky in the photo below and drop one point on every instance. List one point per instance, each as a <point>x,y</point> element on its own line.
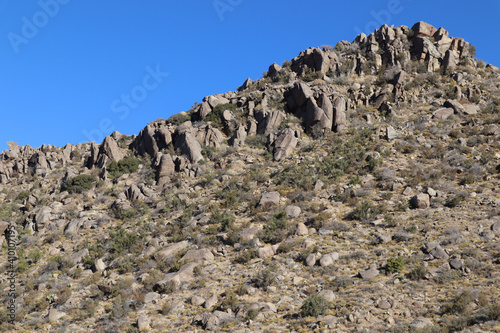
<point>67,67</point>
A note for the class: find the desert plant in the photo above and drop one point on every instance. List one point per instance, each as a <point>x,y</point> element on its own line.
<point>366,210</point>
<point>79,184</point>
<point>395,264</point>
<point>315,305</point>
<point>264,279</point>
<point>126,165</point>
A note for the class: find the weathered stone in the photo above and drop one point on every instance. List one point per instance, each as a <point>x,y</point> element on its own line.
<point>265,252</point>
<point>197,300</point>
<point>209,136</point>
<point>269,199</point>
<point>301,93</point>
<point>391,133</point>
<point>189,146</point>
<point>328,259</point>
<point>455,105</point>
<point>435,250</point>
<point>284,144</point>
<point>311,260</point>
<point>420,201</point>
<point>165,169</point>
<point>495,227</point>
<point>339,115</point>
<point>270,122</point>
<point>143,323</point>
<point>443,113</point>
<point>204,110</point>
<point>171,250</point>
<point>151,297</point>
<point>110,148</point>
<point>201,255</point>
<point>369,273</point>
<point>98,266</point>
<point>78,256</point>
<point>456,263</point>
<point>292,211</point>
<point>302,230</point>
<point>55,315</point>
<point>421,323</point>
<point>211,301</point>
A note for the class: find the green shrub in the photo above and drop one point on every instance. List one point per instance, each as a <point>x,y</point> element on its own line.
<point>276,230</point>
<point>22,196</point>
<point>178,119</point>
<point>394,264</point>
<point>216,115</point>
<point>366,210</point>
<point>79,184</point>
<point>126,165</point>
<point>246,256</point>
<point>264,279</point>
<point>225,220</point>
<point>122,241</point>
<point>315,305</point>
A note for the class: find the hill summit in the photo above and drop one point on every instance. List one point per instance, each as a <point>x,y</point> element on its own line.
<point>350,189</point>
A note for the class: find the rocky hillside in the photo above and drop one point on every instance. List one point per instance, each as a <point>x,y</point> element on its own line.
<point>351,189</point>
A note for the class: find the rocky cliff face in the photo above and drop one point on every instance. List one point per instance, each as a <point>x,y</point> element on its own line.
<point>355,184</point>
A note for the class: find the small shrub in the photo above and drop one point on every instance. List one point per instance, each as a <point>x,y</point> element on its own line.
<point>79,184</point>
<point>126,165</point>
<point>459,303</point>
<point>276,230</point>
<point>178,119</point>
<point>225,220</point>
<point>454,201</point>
<point>315,305</point>
<point>394,264</point>
<point>246,256</point>
<point>366,210</point>
<point>264,279</point>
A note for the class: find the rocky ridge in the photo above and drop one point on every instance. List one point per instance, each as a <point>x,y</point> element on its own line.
<point>362,174</point>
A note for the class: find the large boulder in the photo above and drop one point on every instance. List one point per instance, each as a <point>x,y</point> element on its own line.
<point>423,29</point>
<point>270,122</point>
<point>165,169</point>
<point>284,144</point>
<point>189,146</point>
<point>109,151</point>
<point>301,93</point>
<point>339,114</point>
<point>209,136</point>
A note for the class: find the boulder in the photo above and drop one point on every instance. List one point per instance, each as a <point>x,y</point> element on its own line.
<point>189,146</point>
<point>165,169</point>
<point>269,199</point>
<point>301,93</point>
<point>421,201</point>
<point>284,144</point>
<point>270,122</point>
<point>110,148</point>
<point>143,323</point>
<point>328,259</point>
<point>201,255</point>
<point>423,29</point>
<point>369,273</point>
<point>302,229</point>
<point>292,211</point>
<point>435,250</point>
<point>171,250</point>
<point>443,113</point>
<point>339,115</point>
<point>455,105</point>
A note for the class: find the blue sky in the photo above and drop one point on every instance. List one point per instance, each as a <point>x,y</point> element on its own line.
<point>73,71</point>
